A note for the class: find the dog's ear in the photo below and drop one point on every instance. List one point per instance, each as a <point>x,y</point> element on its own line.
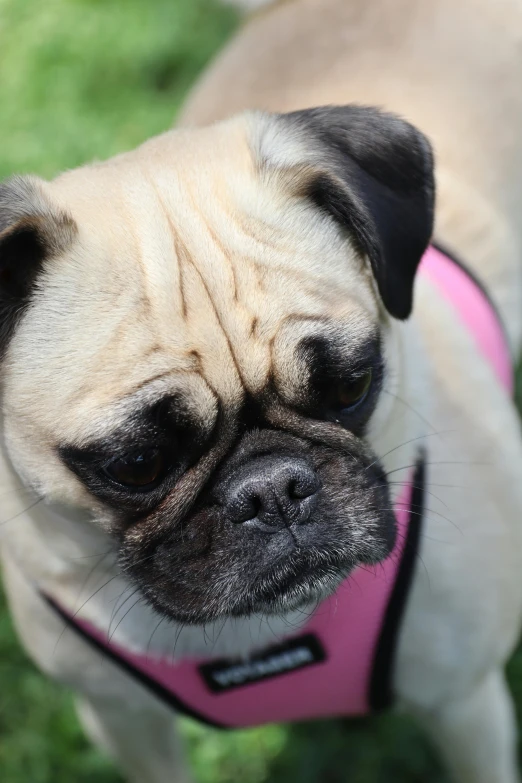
<point>31,230</point>
<point>372,172</point>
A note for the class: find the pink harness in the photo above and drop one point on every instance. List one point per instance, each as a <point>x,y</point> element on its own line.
<point>341,661</point>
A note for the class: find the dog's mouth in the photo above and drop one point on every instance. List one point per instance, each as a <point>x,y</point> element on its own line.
<point>304,578</point>
<point>297,581</point>
<point>299,577</point>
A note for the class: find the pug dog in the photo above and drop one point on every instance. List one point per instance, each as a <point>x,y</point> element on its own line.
<point>219,365</point>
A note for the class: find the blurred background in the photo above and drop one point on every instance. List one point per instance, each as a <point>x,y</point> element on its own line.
<point>85,79</point>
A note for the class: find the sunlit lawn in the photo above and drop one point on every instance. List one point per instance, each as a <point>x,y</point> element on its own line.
<point>83,79</point>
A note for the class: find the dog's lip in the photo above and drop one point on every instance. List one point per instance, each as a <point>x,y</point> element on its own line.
<point>293,581</point>
<point>302,567</point>
<point>304,579</point>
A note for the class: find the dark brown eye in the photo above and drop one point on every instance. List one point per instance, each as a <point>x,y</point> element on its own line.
<point>137,470</point>
<point>349,394</point>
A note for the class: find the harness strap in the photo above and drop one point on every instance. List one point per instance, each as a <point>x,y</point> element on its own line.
<point>380,691</point>
<point>111,651</point>
<point>476,309</point>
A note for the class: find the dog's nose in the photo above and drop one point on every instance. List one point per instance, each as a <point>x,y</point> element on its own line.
<point>272,493</point>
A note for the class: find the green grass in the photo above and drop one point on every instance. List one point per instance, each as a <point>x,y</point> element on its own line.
<point>83,79</point>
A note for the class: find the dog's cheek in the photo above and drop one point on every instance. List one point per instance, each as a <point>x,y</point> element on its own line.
<point>170,569</point>
<point>205,568</point>
<point>357,509</point>
<point>169,550</point>
<point>208,544</point>
<point>198,569</point>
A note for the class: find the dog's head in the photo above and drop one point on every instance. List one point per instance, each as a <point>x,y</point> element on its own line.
<point>194,339</point>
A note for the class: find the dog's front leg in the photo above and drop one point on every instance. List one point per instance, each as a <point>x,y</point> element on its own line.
<point>144,744</point>
<point>476,735</point>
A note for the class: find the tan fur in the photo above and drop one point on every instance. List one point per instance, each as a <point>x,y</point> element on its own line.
<point>196,266</point>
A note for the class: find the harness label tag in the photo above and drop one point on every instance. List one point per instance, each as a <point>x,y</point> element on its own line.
<point>225,675</point>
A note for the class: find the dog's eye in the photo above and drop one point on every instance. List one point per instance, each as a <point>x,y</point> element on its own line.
<point>139,470</point>
<point>350,394</point>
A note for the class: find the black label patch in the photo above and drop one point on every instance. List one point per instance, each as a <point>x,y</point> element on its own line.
<point>225,675</point>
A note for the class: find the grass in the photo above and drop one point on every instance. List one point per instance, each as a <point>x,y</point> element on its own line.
<point>84,79</point>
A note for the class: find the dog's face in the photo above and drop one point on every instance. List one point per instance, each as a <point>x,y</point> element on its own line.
<point>194,345</point>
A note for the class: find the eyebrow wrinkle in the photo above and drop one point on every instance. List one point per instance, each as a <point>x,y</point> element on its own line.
<point>156,348</point>
<point>291,317</point>
<point>305,282</point>
<point>145,296</point>
<point>182,254</point>
<point>197,362</point>
<point>306,317</point>
<point>273,375</point>
<point>247,229</point>
<point>259,275</point>
<point>142,384</point>
<point>218,318</point>
<point>224,253</point>
<point>213,305</point>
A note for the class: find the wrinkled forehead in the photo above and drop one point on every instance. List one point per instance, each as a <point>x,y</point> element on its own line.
<point>191,274</point>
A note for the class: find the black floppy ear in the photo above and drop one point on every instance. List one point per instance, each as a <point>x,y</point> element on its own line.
<point>373,173</point>
<point>31,230</point>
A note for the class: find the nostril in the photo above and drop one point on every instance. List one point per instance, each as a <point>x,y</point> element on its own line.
<point>293,492</point>
<point>255,506</point>
<point>303,486</point>
<point>246,507</point>
<point>297,490</point>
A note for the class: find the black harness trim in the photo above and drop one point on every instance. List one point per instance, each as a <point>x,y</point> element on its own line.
<point>158,690</point>
<point>380,691</point>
